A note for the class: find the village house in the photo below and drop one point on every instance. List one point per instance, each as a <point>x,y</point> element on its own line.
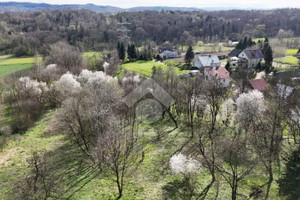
<point>252,56</point>
<point>204,61</point>
<point>220,74</point>
<point>258,84</point>
<point>247,58</point>
<point>168,53</point>
<point>232,43</point>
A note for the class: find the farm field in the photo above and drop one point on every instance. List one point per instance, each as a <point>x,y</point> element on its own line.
<point>9,64</point>
<point>145,67</point>
<point>291,60</point>
<point>291,51</point>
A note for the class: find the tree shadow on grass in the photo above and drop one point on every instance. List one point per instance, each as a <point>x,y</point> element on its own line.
<point>72,169</point>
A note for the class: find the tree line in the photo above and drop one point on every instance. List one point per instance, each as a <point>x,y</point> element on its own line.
<point>25,33</point>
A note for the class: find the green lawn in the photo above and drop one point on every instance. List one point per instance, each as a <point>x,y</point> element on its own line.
<point>9,64</point>
<point>291,60</point>
<point>291,51</point>
<point>13,160</point>
<point>89,54</point>
<point>207,48</point>
<point>145,67</point>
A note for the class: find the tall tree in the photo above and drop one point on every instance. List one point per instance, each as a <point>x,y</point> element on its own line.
<point>289,183</point>
<point>269,55</point>
<point>121,50</point>
<point>189,56</point>
<point>131,52</point>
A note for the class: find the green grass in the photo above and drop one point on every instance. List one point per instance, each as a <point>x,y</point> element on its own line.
<point>9,64</point>
<point>145,67</point>
<point>13,164</point>
<point>291,60</point>
<point>147,182</point>
<point>207,48</point>
<point>291,51</point>
<point>90,54</point>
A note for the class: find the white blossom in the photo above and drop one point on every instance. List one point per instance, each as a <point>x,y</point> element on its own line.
<point>106,66</point>
<point>132,79</point>
<point>95,78</point>
<point>284,91</point>
<point>250,105</point>
<point>51,68</point>
<point>32,87</point>
<point>67,84</point>
<point>184,164</point>
<point>227,109</point>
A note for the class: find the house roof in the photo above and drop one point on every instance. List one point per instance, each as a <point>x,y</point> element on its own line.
<point>234,53</point>
<point>209,60</point>
<point>258,84</point>
<point>161,50</point>
<point>254,53</point>
<point>218,72</point>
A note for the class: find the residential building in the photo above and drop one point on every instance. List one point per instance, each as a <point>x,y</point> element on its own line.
<point>252,56</point>
<point>167,54</point>
<point>232,43</point>
<point>258,84</point>
<point>204,61</point>
<point>220,74</point>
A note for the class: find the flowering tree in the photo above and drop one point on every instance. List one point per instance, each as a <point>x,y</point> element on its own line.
<point>181,164</point>
<point>31,87</point>
<point>67,85</point>
<point>250,106</point>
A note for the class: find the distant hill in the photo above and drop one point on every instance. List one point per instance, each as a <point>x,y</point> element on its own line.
<point>18,7</point>
<point>159,8</point>
<point>24,6</point>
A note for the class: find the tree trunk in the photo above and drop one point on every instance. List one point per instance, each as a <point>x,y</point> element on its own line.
<point>270,171</point>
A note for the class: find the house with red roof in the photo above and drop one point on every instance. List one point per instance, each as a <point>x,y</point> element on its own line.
<point>220,74</point>
<point>258,84</point>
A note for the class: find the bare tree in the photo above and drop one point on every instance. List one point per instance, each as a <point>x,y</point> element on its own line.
<point>65,56</point>
<point>39,183</point>
<point>119,153</point>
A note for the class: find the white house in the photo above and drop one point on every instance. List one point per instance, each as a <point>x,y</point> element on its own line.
<point>252,56</point>
<point>168,54</point>
<point>232,43</point>
<point>207,61</point>
<point>220,74</point>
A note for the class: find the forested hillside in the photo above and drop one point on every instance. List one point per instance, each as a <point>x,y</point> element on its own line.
<point>28,32</point>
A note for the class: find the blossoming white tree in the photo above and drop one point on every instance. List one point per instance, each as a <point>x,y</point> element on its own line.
<point>32,87</point>
<point>181,164</point>
<point>67,84</point>
<point>250,106</point>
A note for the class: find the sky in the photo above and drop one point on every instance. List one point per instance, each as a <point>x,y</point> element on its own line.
<point>258,4</point>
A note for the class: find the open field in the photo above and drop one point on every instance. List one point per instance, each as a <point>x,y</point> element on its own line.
<point>291,51</point>
<point>9,64</point>
<point>291,60</point>
<point>89,54</point>
<point>207,48</point>
<point>145,67</point>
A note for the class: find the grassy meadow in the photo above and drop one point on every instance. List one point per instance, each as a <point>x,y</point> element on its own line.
<point>9,64</point>
<point>145,67</point>
<point>78,179</point>
<point>291,60</point>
